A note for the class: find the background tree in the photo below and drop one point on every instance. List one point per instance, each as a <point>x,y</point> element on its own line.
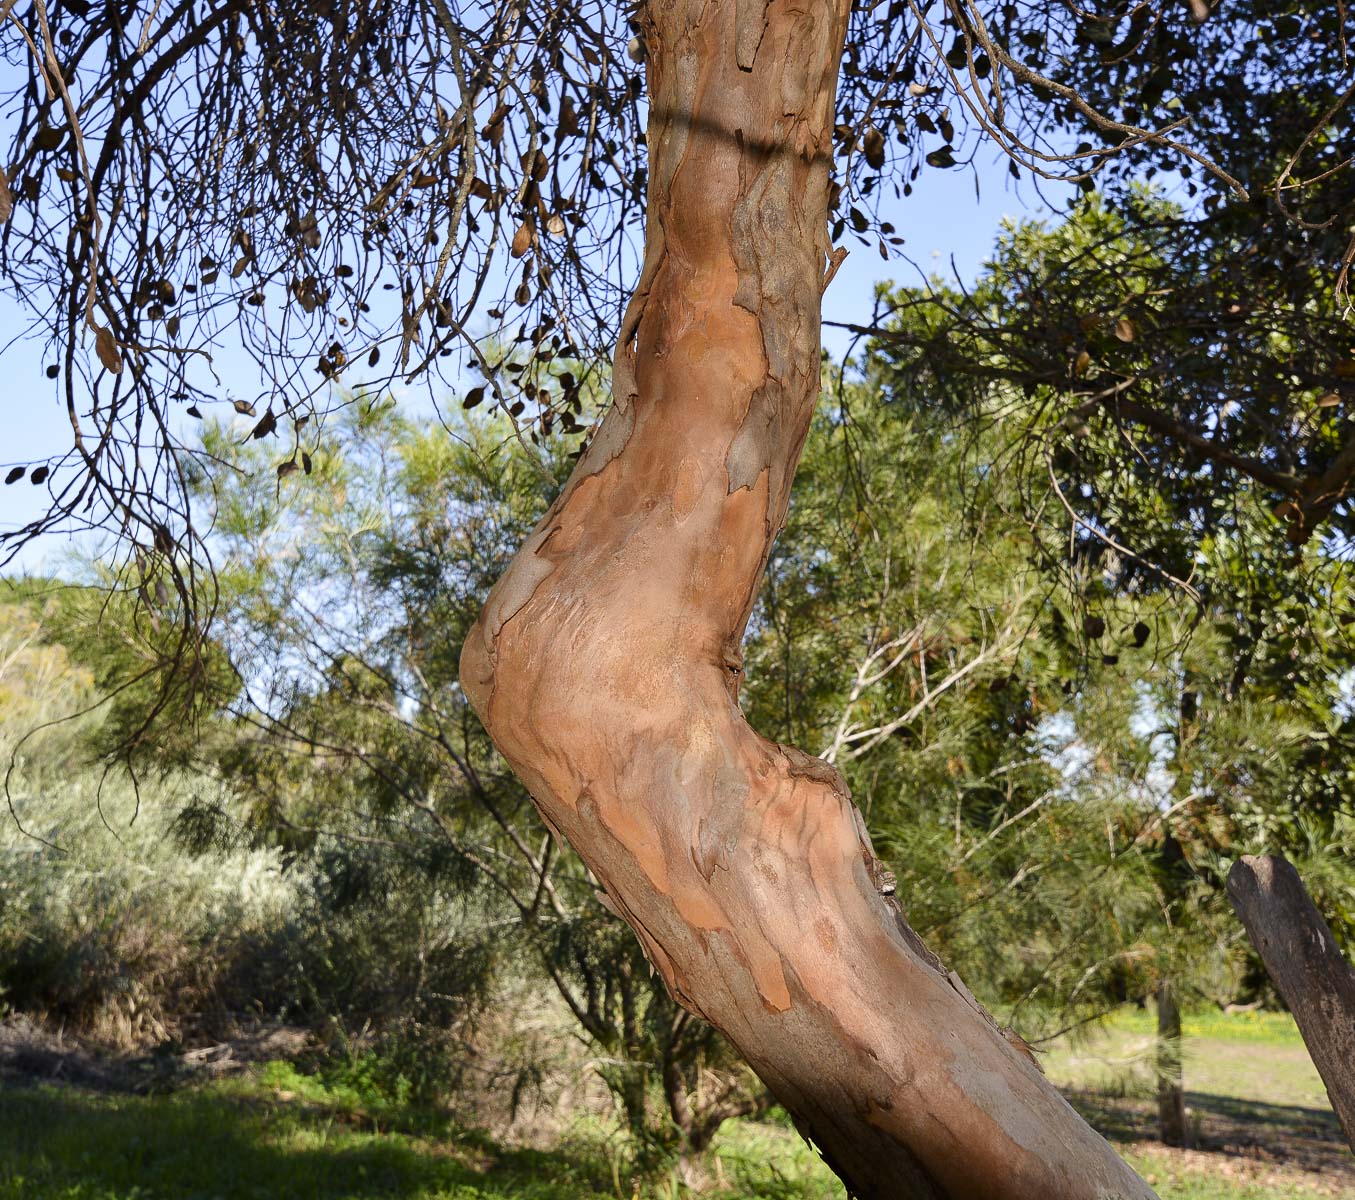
<point>1246,688</point>
<point>351,744</point>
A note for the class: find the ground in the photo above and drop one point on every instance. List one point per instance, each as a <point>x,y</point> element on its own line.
<point>162,1129</point>
<point>1263,1125</point>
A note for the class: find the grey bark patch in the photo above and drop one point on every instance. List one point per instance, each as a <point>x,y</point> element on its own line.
<point>779,289</point>
<point>807,766</point>
<point>749,453</point>
<point>750,24</point>
<point>518,584</point>
<point>717,832</point>
<point>610,439</point>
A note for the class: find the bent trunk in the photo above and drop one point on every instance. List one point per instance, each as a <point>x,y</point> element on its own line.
<point>1306,967</point>
<point>606,662</point>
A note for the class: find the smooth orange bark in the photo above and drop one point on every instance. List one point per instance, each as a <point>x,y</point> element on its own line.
<point>606,663</point>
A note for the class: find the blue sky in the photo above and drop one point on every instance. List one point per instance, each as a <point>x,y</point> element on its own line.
<point>945,220</point>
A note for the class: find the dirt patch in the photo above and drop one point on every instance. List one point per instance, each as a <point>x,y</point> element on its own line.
<point>1276,1145</point>
<point>31,1052</point>
<point>1161,1164</point>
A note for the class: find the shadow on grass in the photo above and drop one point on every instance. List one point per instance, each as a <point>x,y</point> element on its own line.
<point>1279,1133</point>
<point>1310,1122</point>
<point>57,1143</point>
<point>1124,1119</point>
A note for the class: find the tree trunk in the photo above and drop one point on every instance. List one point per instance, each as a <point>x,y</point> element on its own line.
<point>1171,1095</point>
<point>1306,967</point>
<point>606,663</point>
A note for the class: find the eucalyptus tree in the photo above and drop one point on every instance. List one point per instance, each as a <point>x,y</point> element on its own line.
<point>331,175</point>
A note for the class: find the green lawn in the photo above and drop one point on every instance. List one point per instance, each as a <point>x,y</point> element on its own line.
<point>239,1141</point>
<point>1252,1093</point>
<point>1222,1056</point>
<point>275,1134</point>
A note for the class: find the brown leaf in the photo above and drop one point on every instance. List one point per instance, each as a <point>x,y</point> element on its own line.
<point>569,119</point>
<point>287,468</point>
<point>106,347</point>
<point>6,199</point>
<point>1124,329</point>
<point>1083,361</point>
<point>522,240</point>
<point>874,146</point>
<point>555,225</point>
<point>267,424</point>
<point>244,406</point>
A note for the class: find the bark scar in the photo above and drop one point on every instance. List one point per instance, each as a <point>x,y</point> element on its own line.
<point>835,260</point>
<point>750,24</point>
<point>623,362</point>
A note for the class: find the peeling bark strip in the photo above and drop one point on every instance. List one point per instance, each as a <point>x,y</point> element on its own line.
<point>606,662</point>
<point>1305,964</point>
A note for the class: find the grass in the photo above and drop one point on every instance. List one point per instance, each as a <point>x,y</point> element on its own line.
<point>278,1133</point>
<point>1206,1181</point>
<point>245,1141</point>
<point>1242,1056</point>
<point>1251,1090</point>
